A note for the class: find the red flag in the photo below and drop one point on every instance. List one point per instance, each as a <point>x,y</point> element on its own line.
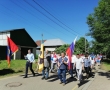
<point>11,49</point>
<point>69,53</point>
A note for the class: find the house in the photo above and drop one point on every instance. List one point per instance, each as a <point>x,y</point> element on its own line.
<point>21,38</point>
<point>52,44</point>
<point>39,43</point>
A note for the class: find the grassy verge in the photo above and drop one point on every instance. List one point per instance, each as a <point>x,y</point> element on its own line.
<point>105,65</point>
<point>17,67</point>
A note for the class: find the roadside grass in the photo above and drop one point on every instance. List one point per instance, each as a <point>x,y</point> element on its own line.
<point>17,67</point>
<point>105,65</point>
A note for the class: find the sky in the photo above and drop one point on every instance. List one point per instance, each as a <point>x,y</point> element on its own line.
<point>63,19</point>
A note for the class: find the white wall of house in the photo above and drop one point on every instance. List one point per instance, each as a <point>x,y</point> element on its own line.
<point>3,38</point>
<point>50,49</point>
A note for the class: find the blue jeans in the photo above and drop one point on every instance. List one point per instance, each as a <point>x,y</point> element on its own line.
<point>62,75</point>
<point>71,70</point>
<point>45,72</point>
<point>53,66</point>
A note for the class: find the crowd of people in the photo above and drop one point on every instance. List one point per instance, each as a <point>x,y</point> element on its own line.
<point>54,62</point>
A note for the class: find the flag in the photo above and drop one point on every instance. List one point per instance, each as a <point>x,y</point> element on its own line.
<point>11,49</point>
<point>70,51</point>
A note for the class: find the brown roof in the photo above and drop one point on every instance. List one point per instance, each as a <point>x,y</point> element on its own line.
<point>39,42</point>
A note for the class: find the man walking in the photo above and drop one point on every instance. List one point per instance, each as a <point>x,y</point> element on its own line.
<point>72,62</point>
<point>62,65</point>
<point>79,64</point>
<point>47,61</point>
<point>30,59</point>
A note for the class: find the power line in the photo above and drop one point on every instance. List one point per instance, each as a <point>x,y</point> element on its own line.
<point>30,13</point>
<point>54,16</point>
<point>48,17</point>
<point>23,18</point>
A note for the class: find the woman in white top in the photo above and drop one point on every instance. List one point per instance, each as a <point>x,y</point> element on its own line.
<point>79,64</point>
<point>92,63</point>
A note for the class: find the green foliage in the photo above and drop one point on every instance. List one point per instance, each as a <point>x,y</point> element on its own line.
<point>80,46</point>
<point>36,56</point>
<point>99,24</point>
<point>106,65</point>
<point>62,49</point>
<point>17,66</point>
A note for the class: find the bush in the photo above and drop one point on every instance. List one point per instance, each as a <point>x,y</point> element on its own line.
<point>36,56</point>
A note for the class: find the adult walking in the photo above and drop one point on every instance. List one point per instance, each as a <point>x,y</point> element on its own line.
<point>47,62</point>
<point>72,68</point>
<point>30,59</point>
<point>87,65</point>
<point>79,64</point>
<point>53,62</point>
<point>62,65</point>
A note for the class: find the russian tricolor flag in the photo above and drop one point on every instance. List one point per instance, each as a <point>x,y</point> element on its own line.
<point>69,52</point>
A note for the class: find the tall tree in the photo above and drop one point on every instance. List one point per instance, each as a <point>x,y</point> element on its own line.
<point>99,24</point>
<point>80,45</point>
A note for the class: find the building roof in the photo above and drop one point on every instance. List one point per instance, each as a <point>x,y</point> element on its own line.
<point>4,31</point>
<point>39,42</point>
<point>20,37</point>
<point>54,42</point>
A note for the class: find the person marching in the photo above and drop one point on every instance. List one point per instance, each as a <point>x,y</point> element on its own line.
<point>86,65</point>
<point>30,59</point>
<point>62,65</point>
<point>79,64</point>
<point>54,61</point>
<point>47,61</point>
<point>72,62</point>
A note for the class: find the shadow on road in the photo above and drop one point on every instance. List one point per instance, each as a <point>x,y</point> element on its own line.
<point>8,71</point>
<point>83,82</point>
<point>106,74</point>
<point>36,74</point>
<point>53,77</point>
<point>69,80</point>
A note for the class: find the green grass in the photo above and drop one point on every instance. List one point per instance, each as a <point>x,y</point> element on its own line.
<point>16,67</point>
<point>106,65</point>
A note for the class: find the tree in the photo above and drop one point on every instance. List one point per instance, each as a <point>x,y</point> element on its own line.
<point>99,24</point>
<point>62,49</point>
<point>80,45</point>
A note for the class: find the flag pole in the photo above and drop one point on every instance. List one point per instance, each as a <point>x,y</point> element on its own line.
<point>42,38</point>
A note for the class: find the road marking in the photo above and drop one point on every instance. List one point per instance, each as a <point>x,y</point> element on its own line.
<point>76,86</point>
<point>8,77</point>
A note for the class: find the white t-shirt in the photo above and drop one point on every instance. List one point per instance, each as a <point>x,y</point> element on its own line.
<point>54,58</point>
<point>92,62</point>
<point>73,59</point>
<point>79,63</point>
